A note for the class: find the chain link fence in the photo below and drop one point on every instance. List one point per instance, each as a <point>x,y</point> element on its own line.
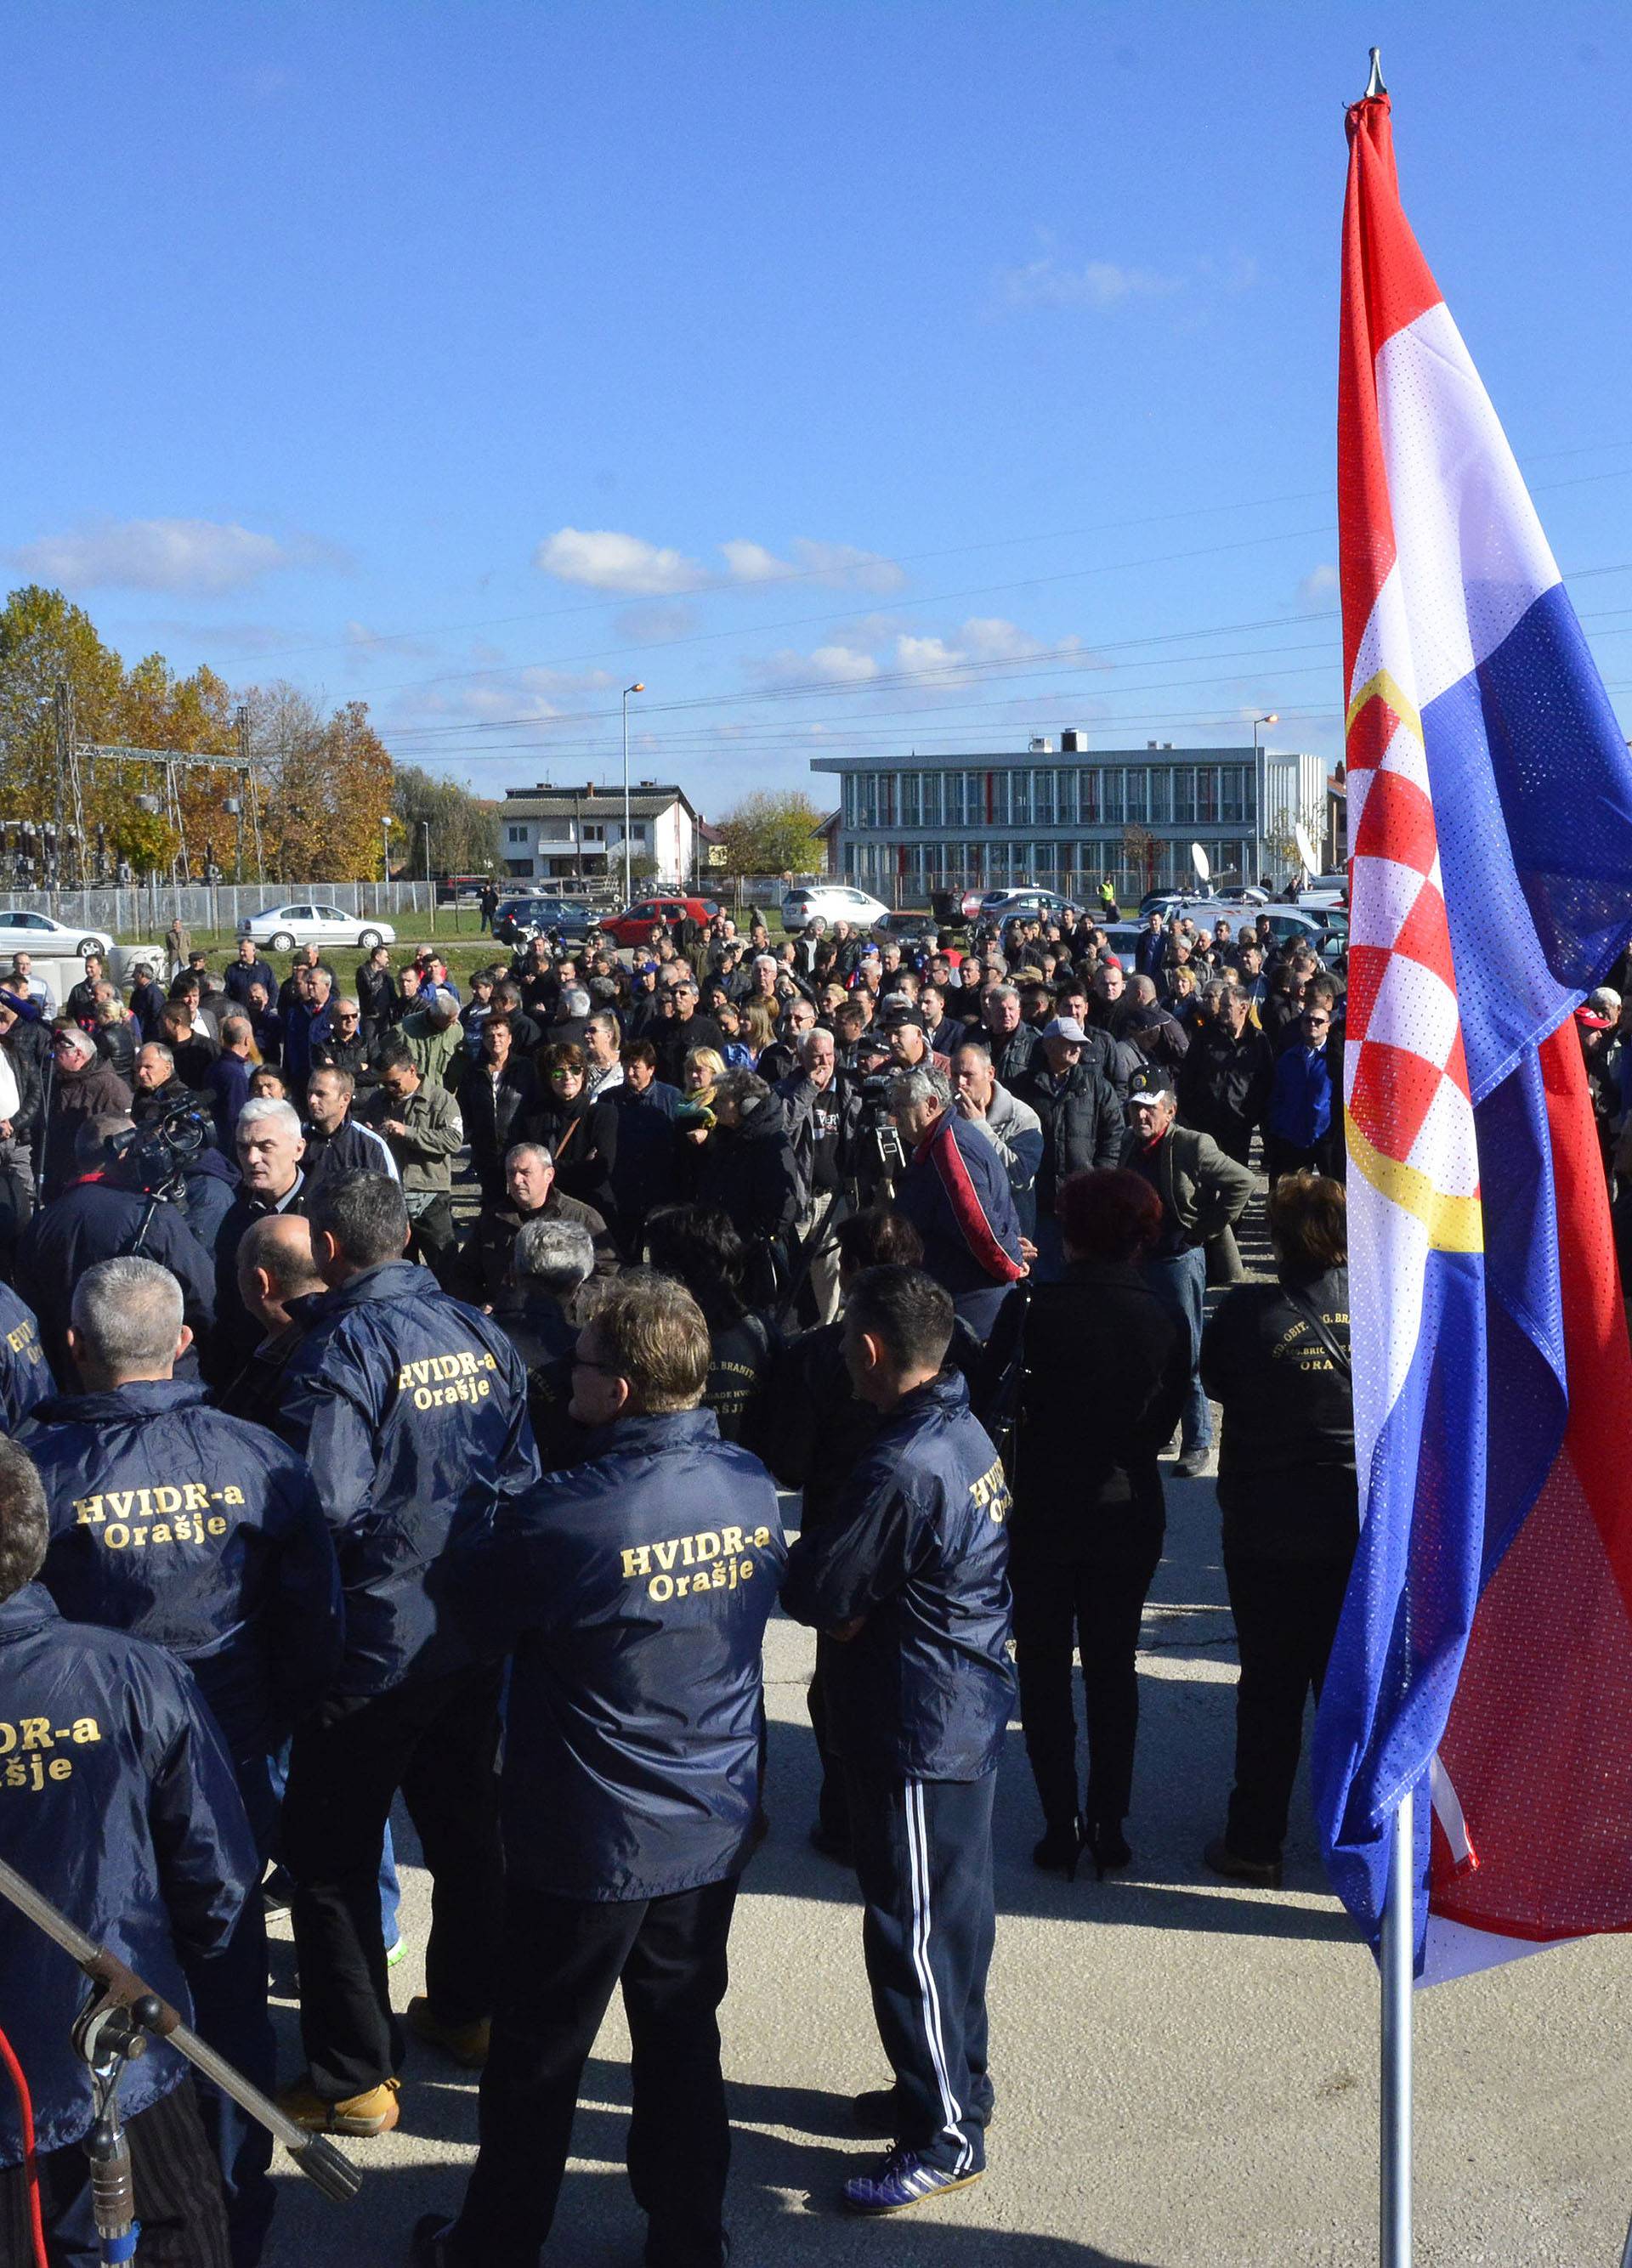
<point>149,908</point>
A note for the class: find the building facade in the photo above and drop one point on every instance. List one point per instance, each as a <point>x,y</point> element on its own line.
<point>549,834</point>
<point>1063,817</point>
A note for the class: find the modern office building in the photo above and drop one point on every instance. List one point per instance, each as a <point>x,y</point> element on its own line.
<point>1062,818</point>
<point>561,833</point>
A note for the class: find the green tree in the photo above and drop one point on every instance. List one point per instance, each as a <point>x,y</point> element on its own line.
<point>772,832</point>
<point>464,828</point>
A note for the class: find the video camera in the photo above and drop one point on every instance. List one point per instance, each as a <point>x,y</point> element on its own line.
<point>879,1155</point>
<point>154,1157</point>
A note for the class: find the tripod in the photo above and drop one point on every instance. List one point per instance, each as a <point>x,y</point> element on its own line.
<point>113,2028</point>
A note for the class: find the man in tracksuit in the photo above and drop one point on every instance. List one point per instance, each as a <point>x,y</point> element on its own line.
<point>203,1534</point>
<point>117,1803</point>
<point>911,1577</point>
<point>956,1193</point>
<point>412,1410</point>
<point>634,1590</point>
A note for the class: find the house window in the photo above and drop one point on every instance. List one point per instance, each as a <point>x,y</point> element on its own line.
<point>522,868</point>
<point>1160,796</point>
<point>516,835</point>
<point>910,805</point>
<point>1232,787</point>
<point>932,799</point>
<point>1111,796</point>
<point>1137,793</point>
<point>1087,798</point>
<point>1207,795</point>
<point>1184,795</point>
<point>1020,799</point>
<point>1043,799</point>
<point>848,800</point>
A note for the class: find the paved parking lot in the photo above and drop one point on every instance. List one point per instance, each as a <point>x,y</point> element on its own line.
<point>1187,2072</point>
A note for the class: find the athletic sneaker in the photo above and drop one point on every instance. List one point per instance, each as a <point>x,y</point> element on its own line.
<point>397,1950</point>
<point>905,2179</point>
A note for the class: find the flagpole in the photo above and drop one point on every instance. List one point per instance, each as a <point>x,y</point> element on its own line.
<point>1398,1949</point>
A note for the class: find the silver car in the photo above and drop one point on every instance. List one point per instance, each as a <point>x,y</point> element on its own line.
<point>282,928</point>
<point>51,939</point>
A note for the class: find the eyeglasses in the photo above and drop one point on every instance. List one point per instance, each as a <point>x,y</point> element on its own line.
<point>606,1369</point>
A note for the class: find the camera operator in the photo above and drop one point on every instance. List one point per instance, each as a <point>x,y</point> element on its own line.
<point>954,1189</point>
<point>747,1170</point>
<point>910,1580</point>
<point>255,1613</point>
<point>114,1207</point>
<point>78,1085</point>
<point>412,1410</point>
<point>134,1824</point>
<point>630,1781</point>
<point>158,1090</point>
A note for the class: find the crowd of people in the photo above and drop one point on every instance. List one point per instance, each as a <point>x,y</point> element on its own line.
<point>392,1366</point>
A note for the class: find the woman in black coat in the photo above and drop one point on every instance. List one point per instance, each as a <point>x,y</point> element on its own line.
<point>581,1133</point>
<point>1276,1357</point>
<point>1105,1374</point>
<point>698,1246</point>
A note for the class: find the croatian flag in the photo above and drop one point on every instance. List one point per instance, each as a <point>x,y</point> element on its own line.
<point>1484,1655</point>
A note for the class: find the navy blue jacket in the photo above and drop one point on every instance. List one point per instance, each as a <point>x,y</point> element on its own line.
<point>410,1409</point>
<point>240,975</point>
<point>634,1590</point>
<point>117,1803</point>
<point>93,1220</point>
<point>921,1551</point>
<point>646,1170</point>
<point>24,1374</point>
<point>956,1193</point>
<point>200,1533</point>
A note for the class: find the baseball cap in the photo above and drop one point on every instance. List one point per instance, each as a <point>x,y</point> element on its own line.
<point>1065,1027</point>
<point>1593,1023</point>
<point>1148,1087</point>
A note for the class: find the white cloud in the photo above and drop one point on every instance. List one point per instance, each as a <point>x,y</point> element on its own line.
<point>832,664</point>
<point>1318,584</point>
<point>535,693</point>
<point>843,566</point>
<point>604,560</point>
<point>983,638</point>
<point>203,556</point>
<point>1102,285</point>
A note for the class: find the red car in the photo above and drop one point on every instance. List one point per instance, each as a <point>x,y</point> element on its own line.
<point>634,925</point>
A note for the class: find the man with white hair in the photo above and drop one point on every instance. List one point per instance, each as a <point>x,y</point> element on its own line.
<point>175,1523</point>
<point>955,1192</point>
<point>434,1039</point>
<point>551,1261</point>
<point>271,1152</point>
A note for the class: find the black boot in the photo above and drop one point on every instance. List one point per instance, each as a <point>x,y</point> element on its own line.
<point>1057,1851</point>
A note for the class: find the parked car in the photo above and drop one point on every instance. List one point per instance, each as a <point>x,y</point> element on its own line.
<point>907,929</point>
<point>49,938</point>
<point>1321,890</point>
<point>283,928</point>
<point>517,919</point>
<point>634,925</point>
<point>1243,894</point>
<point>1122,937</point>
<point>953,908</point>
<point>830,902</point>
<point>1031,905</point>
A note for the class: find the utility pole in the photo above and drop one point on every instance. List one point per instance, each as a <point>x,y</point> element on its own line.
<point>628,882</point>
<point>430,885</point>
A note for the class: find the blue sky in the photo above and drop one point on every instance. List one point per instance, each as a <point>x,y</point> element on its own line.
<point>867,377</point>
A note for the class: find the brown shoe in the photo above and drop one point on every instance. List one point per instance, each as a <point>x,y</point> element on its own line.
<point>466,2043</point>
<point>375,2111</point>
<point>1256,1873</point>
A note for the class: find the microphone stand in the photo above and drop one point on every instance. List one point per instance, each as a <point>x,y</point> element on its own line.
<point>113,2028</point>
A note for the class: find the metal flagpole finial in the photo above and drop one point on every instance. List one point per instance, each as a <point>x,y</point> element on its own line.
<point>1374,85</point>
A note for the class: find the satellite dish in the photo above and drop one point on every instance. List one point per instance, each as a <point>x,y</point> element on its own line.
<point>1198,860</point>
<point>1305,848</point>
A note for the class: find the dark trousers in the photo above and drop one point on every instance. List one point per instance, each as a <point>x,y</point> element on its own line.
<point>436,1739</point>
<point>435,1241</point>
<point>178,2196</point>
<point>1094,1608</point>
<point>563,1959</point>
<point>1286,1617</point>
<point>1234,1138</point>
<point>923,1856</point>
<point>1283,1157</point>
<point>230,2012</point>
<point>832,1808</point>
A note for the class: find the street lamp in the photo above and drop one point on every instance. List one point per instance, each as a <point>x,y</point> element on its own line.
<point>430,886</point>
<point>1260,788</point>
<point>385,861</point>
<point>629,889</point>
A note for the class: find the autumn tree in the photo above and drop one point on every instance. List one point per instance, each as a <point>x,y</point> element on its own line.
<point>772,832</point>
<point>325,783</point>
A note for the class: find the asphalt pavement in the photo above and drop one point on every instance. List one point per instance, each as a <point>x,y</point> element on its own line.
<point>1187,2072</point>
